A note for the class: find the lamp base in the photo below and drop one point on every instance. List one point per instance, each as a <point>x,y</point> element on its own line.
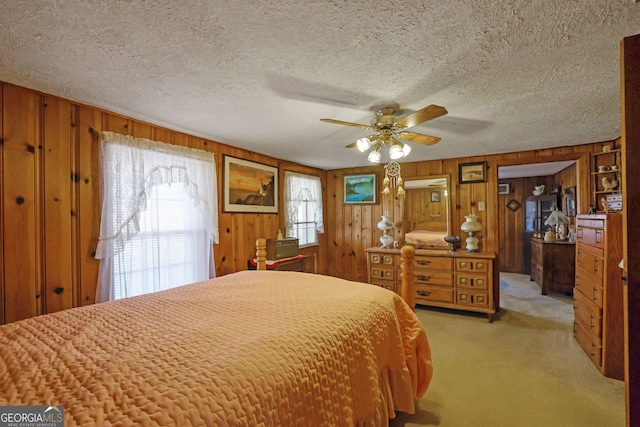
<point>472,244</point>
<point>387,241</point>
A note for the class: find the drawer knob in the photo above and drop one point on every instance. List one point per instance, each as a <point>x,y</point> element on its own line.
<point>423,262</point>
<point>598,236</point>
<point>423,278</point>
<point>424,293</point>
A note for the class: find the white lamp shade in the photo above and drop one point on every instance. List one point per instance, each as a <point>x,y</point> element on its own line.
<point>395,151</point>
<point>363,144</point>
<point>374,156</point>
<point>556,217</point>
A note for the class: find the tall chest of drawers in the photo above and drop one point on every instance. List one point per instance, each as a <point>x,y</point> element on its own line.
<point>458,280</point>
<point>598,293</point>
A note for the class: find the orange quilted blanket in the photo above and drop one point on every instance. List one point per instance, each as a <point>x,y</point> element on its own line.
<point>250,348</point>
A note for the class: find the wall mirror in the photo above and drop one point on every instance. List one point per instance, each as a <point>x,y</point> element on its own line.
<point>427,211</point>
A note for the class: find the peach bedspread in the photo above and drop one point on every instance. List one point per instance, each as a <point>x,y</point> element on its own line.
<point>249,348</point>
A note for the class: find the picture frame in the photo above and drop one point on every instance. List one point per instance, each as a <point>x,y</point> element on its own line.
<point>504,188</point>
<point>513,205</point>
<point>435,196</point>
<point>360,189</point>
<point>249,187</point>
<point>469,173</point>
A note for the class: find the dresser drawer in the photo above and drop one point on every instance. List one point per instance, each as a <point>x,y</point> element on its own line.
<point>590,236</point>
<point>385,259</point>
<point>591,223</point>
<point>590,260</point>
<point>385,273</point>
<point>433,263</point>
<point>471,264</point>
<point>439,278</point>
<point>473,298</point>
<point>471,281</point>
<point>384,284</point>
<point>590,346</point>
<point>588,315</point>
<point>536,252</point>
<point>590,286</point>
<point>431,293</point>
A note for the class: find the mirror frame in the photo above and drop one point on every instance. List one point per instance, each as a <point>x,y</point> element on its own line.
<point>421,182</point>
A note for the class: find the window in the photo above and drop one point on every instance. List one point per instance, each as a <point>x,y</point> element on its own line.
<point>303,207</point>
<point>163,254</point>
<point>159,217</point>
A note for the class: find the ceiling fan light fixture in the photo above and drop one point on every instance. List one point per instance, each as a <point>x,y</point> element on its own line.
<point>374,155</point>
<point>396,150</point>
<point>363,144</point>
<point>389,128</point>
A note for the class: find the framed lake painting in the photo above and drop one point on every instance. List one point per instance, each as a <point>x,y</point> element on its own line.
<point>249,186</point>
<point>360,189</point>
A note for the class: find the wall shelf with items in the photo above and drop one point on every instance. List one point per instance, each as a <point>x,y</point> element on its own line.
<point>606,177</point>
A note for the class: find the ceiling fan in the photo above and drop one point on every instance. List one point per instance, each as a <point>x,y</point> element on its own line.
<point>390,130</point>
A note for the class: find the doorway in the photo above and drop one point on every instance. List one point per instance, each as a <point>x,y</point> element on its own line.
<point>555,184</point>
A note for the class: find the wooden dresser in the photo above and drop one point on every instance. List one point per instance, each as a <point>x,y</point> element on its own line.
<point>553,265</point>
<point>598,296</point>
<point>458,280</point>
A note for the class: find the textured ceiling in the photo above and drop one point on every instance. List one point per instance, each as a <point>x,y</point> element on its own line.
<point>513,74</point>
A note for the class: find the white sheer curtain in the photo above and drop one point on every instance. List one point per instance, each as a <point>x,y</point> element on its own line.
<point>159,216</point>
<point>302,204</point>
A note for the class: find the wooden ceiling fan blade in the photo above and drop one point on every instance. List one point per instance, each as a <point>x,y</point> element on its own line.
<point>340,122</point>
<point>427,113</point>
<point>418,137</point>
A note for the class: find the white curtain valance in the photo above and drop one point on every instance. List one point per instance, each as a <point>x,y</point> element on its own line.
<point>139,164</point>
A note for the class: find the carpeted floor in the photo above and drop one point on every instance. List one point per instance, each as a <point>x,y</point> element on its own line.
<point>524,369</point>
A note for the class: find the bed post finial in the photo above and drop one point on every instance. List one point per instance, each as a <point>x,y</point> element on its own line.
<point>261,254</point>
<point>407,291</point>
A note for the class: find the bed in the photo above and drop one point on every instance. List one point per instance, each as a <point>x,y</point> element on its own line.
<point>248,348</point>
<point>427,235</point>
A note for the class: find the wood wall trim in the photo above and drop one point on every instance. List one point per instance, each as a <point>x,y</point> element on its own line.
<point>630,111</point>
<point>2,266</point>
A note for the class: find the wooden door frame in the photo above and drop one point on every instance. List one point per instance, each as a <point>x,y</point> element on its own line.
<point>582,182</point>
<point>630,142</point>
<point>582,163</point>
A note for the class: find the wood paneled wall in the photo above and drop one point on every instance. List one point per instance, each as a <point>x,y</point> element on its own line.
<point>353,228</point>
<point>50,205</point>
